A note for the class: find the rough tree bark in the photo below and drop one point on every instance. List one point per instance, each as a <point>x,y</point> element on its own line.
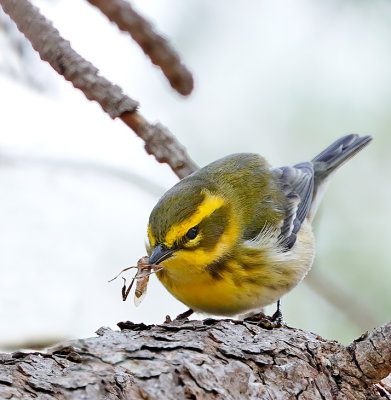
<point>210,359</point>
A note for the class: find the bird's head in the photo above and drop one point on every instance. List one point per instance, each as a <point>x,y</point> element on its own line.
<point>190,226</point>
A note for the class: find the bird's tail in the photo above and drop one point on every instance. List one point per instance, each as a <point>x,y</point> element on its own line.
<point>337,154</point>
<point>330,159</point>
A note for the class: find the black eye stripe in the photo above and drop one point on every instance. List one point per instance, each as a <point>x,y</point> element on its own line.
<point>192,233</point>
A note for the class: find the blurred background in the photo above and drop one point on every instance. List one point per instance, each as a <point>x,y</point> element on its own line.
<point>283,79</point>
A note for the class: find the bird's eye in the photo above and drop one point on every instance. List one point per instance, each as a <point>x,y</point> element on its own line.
<point>192,233</point>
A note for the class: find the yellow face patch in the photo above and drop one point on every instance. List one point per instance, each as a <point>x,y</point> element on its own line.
<point>193,242</point>
<point>210,204</point>
<point>188,266</point>
<point>204,257</point>
<point>151,238</point>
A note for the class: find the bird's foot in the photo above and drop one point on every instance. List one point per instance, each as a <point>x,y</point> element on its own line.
<point>266,321</point>
<point>275,321</point>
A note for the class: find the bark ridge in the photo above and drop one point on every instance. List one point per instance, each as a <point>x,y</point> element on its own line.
<point>209,359</point>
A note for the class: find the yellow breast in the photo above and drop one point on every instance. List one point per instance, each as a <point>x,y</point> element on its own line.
<point>255,275</point>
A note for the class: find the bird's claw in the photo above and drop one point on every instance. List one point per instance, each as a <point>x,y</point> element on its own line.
<point>267,322</point>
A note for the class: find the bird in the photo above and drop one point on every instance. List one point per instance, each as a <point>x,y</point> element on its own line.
<point>236,235</point>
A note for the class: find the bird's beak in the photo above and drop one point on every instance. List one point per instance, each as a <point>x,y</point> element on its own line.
<point>159,254</point>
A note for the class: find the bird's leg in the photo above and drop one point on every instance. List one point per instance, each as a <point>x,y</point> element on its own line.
<point>275,321</point>
<point>277,316</point>
<point>184,315</point>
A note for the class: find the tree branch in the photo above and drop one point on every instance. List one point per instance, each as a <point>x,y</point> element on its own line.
<point>372,353</point>
<point>84,76</point>
<point>156,47</point>
<point>208,359</point>
<point>57,51</point>
<point>161,143</point>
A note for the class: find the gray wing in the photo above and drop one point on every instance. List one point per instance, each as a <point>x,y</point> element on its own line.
<point>297,183</point>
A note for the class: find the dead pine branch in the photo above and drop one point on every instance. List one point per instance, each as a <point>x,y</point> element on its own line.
<point>155,46</point>
<point>47,41</point>
<point>161,143</point>
<point>210,359</point>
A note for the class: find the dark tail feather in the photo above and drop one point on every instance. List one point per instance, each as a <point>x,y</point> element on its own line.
<point>337,154</point>
<point>331,159</point>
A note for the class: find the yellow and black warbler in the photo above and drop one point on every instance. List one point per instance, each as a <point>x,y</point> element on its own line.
<point>236,235</point>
